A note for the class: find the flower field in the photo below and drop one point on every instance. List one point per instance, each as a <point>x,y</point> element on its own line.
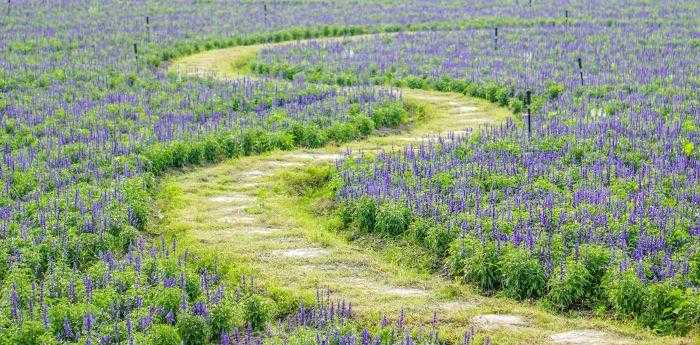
<point>606,172</point>
<point>593,203</point>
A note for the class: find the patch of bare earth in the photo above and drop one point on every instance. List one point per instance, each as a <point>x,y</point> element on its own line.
<point>301,253</point>
<point>233,198</point>
<point>495,321</point>
<point>587,337</point>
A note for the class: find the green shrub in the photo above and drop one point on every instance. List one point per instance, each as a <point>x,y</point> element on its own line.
<point>364,213</point>
<point>222,319</point>
<point>162,334</point>
<point>483,268</point>
<point>460,250</point>
<point>695,269</point>
<point>596,259</point>
<point>568,289</point>
<point>307,135</point>
<point>255,312</point>
<point>392,218</point>
<point>342,132</point>
<point>438,240</point>
<point>668,309</point>
<point>522,274</point>
<point>29,333</point>
<point>137,200</point>
<point>418,230</point>
<point>169,299</point>
<point>363,124</point>
<point>193,329</point>
<point>625,294</point>
<point>389,115</point>
<point>553,90</point>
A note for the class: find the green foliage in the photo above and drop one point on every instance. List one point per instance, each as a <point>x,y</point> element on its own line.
<point>460,250</point>
<point>695,268</point>
<point>193,329</point>
<point>438,240</point>
<point>255,312</point>
<point>392,218</point>
<point>162,334</point>
<point>553,90</point>
<point>168,299</point>
<point>625,294</point>
<point>363,124</point>
<point>484,268</point>
<point>568,289</point>
<point>137,198</point>
<point>222,319</point>
<point>364,212</point>
<point>668,310</point>
<point>31,333</point>
<point>596,259</point>
<point>309,135</point>
<point>522,275</point>
<point>389,115</point>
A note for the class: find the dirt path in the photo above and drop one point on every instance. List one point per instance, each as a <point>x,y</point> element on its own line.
<point>236,210</point>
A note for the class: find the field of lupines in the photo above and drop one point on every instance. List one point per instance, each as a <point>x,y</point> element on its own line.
<point>597,208</point>
<point>89,120</point>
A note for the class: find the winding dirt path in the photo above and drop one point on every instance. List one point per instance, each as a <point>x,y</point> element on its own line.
<point>237,211</point>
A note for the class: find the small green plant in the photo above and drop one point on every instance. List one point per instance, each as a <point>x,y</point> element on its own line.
<point>389,115</point>
<point>392,218</point>
<point>162,334</point>
<point>484,268</point>
<point>625,294</point>
<point>364,214</point>
<point>193,329</point>
<point>255,312</point>
<point>522,274</point>
<point>568,289</point>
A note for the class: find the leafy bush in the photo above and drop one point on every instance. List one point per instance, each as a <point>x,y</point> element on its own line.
<point>625,294</point>
<point>193,329</point>
<point>484,268</point>
<point>553,90</point>
<point>392,218</point>
<point>363,124</point>
<point>162,334</point>
<point>389,115</point>
<point>222,319</point>
<point>596,259</point>
<point>460,250</point>
<point>438,240</point>
<point>522,275</point>
<point>31,333</point>
<point>668,309</point>
<point>255,312</point>
<point>364,212</point>
<point>568,289</point>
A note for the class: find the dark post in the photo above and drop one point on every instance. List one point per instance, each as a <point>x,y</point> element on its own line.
<point>495,38</point>
<point>528,99</point>
<point>136,52</point>
<point>9,6</point>
<point>530,3</point>
<point>580,70</point>
<point>265,10</point>
<point>148,28</point>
